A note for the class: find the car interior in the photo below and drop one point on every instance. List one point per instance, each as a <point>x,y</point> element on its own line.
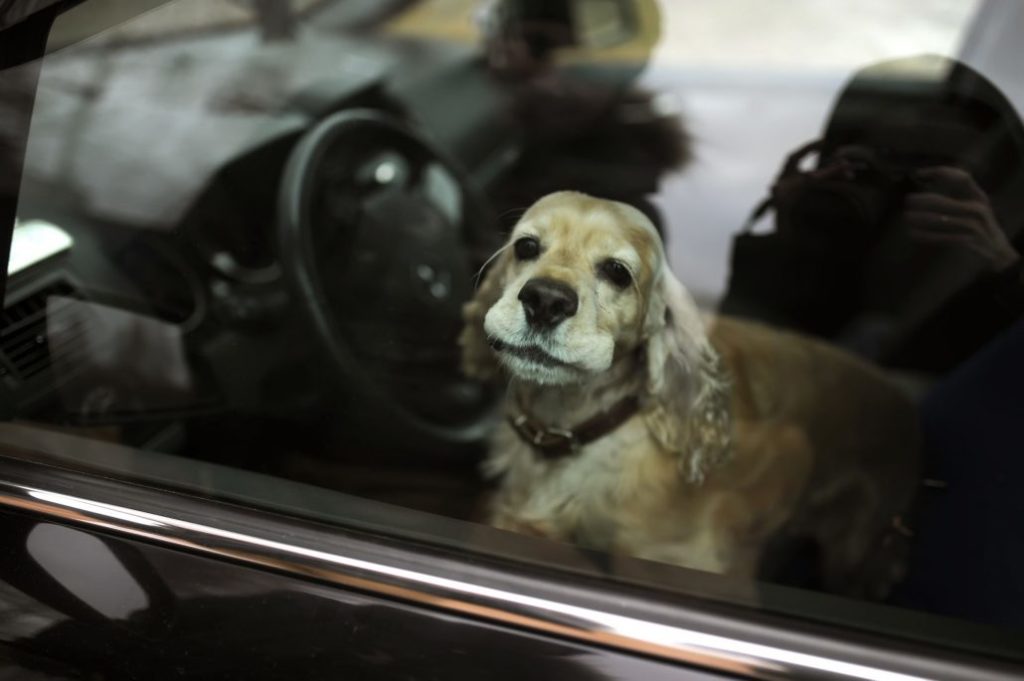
<point>246,238</point>
<point>268,306</point>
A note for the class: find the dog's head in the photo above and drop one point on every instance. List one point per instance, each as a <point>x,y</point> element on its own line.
<point>582,282</point>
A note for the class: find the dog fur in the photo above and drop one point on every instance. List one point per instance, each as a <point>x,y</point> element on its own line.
<point>744,433</point>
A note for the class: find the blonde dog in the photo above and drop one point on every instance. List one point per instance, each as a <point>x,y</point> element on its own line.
<point>635,425</point>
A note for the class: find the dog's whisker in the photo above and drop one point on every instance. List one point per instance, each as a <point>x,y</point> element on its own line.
<point>479,272</point>
<point>511,211</point>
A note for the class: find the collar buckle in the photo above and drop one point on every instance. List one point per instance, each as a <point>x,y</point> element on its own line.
<point>556,440</point>
<point>548,441</point>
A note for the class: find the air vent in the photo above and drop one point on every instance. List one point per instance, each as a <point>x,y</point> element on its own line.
<point>23,342</point>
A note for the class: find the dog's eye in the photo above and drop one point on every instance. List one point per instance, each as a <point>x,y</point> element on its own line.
<point>615,272</point>
<point>527,248</point>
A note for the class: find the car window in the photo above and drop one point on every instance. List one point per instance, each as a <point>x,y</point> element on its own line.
<point>721,299</point>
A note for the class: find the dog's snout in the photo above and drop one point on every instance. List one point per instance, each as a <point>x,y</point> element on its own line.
<point>548,302</point>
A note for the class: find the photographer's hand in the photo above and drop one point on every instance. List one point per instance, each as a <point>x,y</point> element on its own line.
<point>951,208</point>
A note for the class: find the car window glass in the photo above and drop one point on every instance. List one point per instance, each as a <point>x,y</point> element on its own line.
<point>717,298</point>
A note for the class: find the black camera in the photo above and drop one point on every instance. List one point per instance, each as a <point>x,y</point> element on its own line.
<point>849,199</point>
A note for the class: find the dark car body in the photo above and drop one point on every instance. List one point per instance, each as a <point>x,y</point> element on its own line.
<point>117,563</point>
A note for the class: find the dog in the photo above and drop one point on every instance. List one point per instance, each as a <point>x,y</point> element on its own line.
<point>636,425</point>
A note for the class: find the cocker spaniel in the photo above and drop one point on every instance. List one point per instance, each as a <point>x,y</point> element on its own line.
<point>635,425</point>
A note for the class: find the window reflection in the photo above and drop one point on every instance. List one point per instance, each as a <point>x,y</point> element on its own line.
<point>304,238</point>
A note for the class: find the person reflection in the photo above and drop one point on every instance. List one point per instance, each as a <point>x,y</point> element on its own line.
<point>585,124</point>
<point>903,242</point>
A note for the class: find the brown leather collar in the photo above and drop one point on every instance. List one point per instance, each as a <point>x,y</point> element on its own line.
<point>554,443</point>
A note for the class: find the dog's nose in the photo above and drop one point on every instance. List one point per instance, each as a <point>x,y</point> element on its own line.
<point>547,302</point>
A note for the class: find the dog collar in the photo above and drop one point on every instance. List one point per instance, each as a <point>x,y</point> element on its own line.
<point>554,443</point>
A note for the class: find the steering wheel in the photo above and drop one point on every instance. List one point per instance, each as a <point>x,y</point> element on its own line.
<point>377,233</point>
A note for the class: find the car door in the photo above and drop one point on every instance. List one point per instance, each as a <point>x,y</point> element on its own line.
<point>196,483</point>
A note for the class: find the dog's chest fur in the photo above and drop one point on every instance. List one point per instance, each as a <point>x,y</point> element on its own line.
<point>618,493</point>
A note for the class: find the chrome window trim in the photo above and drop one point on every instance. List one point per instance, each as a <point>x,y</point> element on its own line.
<point>620,621</point>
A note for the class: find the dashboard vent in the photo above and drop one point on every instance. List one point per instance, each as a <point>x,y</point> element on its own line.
<point>23,342</point>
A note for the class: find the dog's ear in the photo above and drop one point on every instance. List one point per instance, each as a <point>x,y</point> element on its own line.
<point>687,401</point>
<point>478,360</point>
